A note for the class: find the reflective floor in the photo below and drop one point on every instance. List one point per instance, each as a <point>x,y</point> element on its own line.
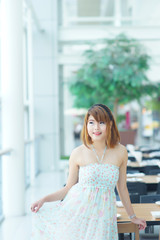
<point>19,228</point>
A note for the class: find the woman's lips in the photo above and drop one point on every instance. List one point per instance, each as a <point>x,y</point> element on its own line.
<point>97,133</point>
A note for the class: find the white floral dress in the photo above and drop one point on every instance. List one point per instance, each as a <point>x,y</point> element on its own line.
<point>87,212</point>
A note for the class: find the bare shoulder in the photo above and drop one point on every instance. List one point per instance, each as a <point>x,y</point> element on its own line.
<point>78,154</point>
<point>122,148</point>
<point>76,151</point>
<point>122,151</point>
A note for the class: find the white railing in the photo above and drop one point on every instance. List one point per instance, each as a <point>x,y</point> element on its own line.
<point>27,155</point>
<point>6,151</point>
<point>31,148</point>
<point>134,21</point>
<point>3,152</point>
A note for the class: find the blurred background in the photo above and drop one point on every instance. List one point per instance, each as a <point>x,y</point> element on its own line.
<point>59,57</point>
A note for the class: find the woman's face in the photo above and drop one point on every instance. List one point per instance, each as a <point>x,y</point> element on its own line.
<point>96,130</point>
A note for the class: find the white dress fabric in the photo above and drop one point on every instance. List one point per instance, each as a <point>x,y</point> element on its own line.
<point>88,211</point>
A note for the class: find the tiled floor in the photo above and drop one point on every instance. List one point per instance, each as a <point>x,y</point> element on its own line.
<point>19,228</point>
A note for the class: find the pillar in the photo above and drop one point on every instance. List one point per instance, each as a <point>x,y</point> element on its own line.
<point>13,184</point>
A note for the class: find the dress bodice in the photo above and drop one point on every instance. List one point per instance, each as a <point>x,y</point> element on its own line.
<point>100,175</point>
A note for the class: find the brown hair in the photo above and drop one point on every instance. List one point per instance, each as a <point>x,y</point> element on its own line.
<point>101,113</point>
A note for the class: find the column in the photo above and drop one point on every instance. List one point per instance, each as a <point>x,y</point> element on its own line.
<point>56,86</point>
<point>13,184</point>
<point>31,94</point>
<point>117,13</point>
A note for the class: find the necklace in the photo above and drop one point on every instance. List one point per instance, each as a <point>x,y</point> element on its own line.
<point>94,150</point>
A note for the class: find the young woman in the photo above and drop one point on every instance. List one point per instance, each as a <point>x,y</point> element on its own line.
<point>88,209</point>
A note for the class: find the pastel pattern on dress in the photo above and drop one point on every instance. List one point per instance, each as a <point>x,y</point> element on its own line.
<point>87,212</point>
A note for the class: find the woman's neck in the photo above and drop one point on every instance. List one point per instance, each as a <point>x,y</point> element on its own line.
<point>99,146</point>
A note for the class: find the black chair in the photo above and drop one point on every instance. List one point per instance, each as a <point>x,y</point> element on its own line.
<point>135,197</point>
<point>132,171</point>
<point>150,158</point>
<point>117,197</point>
<point>132,159</point>
<point>150,150</point>
<point>149,198</point>
<point>158,188</point>
<point>137,187</point>
<point>116,192</point>
<point>150,229</point>
<point>154,171</point>
<point>147,169</point>
<point>149,236</point>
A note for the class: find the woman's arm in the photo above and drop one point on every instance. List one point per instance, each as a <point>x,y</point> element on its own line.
<point>124,195</point>
<point>59,195</point>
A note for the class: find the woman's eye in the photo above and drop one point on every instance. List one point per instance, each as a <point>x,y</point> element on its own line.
<point>102,122</point>
<point>90,122</point>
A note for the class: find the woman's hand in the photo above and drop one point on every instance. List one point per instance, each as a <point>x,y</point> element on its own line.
<point>37,205</point>
<point>141,223</point>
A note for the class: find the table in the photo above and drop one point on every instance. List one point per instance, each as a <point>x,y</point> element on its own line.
<point>143,164</point>
<point>134,164</point>
<point>142,210</point>
<point>148,179</point>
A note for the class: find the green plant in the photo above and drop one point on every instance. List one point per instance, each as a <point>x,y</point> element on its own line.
<point>154,103</point>
<point>114,74</point>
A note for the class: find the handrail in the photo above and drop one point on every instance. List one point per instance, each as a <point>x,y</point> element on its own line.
<point>106,19</point>
<point>29,141</point>
<point>90,19</point>
<point>143,22</point>
<point>6,151</point>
